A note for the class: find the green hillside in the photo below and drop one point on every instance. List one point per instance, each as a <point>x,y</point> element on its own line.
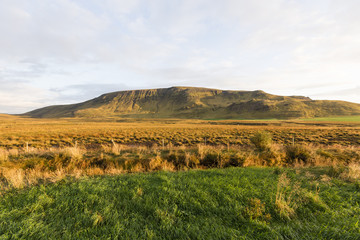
<point>203,103</point>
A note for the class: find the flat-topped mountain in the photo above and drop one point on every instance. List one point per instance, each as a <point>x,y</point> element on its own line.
<point>204,103</point>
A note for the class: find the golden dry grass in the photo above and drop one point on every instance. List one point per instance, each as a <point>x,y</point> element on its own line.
<point>39,133</point>
<point>33,150</point>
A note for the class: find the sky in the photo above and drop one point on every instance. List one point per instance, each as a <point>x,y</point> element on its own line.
<point>67,51</point>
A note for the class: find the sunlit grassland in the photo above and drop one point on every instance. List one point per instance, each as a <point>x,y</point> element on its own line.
<point>336,119</point>
<point>36,150</point>
<point>40,133</point>
<point>355,118</point>
<point>178,179</point>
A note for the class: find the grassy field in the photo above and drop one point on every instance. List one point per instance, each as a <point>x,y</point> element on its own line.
<point>178,179</point>
<point>34,150</point>
<point>336,119</point>
<point>234,203</point>
<point>43,133</point>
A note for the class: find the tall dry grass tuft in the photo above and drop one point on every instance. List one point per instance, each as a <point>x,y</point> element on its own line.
<point>202,150</point>
<point>33,176</point>
<point>142,150</point>
<point>157,163</point>
<point>116,148</point>
<point>14,177</point>
<point>114,170</point>
<point>351,172</point>
<point>191,160</point>
<point>58,175</point>
<point>252,159</point>
<point>4,155</point>
<point>74,153</point>
<point>22,168</point>
<point>94,171</point>
<point>19,178</point>
<point>13,152</point>
<point>285,193</point>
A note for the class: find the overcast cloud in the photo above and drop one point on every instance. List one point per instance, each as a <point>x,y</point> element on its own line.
<point>65,51</point>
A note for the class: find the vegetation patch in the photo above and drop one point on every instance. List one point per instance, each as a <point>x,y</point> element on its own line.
<point>172,179</point>
<point>232,203</point>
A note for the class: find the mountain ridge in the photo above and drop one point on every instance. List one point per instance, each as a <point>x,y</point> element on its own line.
<point>198,103</point>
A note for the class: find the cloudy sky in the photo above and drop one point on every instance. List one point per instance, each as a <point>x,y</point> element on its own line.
<point>65,51</point>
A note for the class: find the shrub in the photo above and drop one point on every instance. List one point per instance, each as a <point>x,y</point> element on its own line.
<point>191,160</point>
<point>270,157</point>
<point>100,162</point>
<point>210,160</point>
<point>179,160</point>
<point>158,163</point>
<point>236,160</point>
<point>30,163</point>
<point>262,141</point>
<point>297,153</point>
<point>155,163</point>
<point>223,160</point>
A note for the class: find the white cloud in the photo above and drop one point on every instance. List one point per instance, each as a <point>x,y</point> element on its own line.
<point>283,47</point>
<point>20,97</point>
<point>48,29</point>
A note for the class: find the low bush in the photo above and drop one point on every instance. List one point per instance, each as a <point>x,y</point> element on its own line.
<point>178,159</point>
<point>296,153</point>
<point>262,141</point>
<point>270,157</point>
<point>211,159</point>
<point>191,160</point>
<point>236,160</point>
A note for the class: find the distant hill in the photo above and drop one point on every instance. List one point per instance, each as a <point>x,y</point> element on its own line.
<point>204,103</point>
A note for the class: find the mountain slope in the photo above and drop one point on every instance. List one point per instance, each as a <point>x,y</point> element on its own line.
<point>190,102</point>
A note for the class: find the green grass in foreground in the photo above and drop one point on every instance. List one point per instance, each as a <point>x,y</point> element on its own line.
<point>336,119</point>
<point>198,204</point>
